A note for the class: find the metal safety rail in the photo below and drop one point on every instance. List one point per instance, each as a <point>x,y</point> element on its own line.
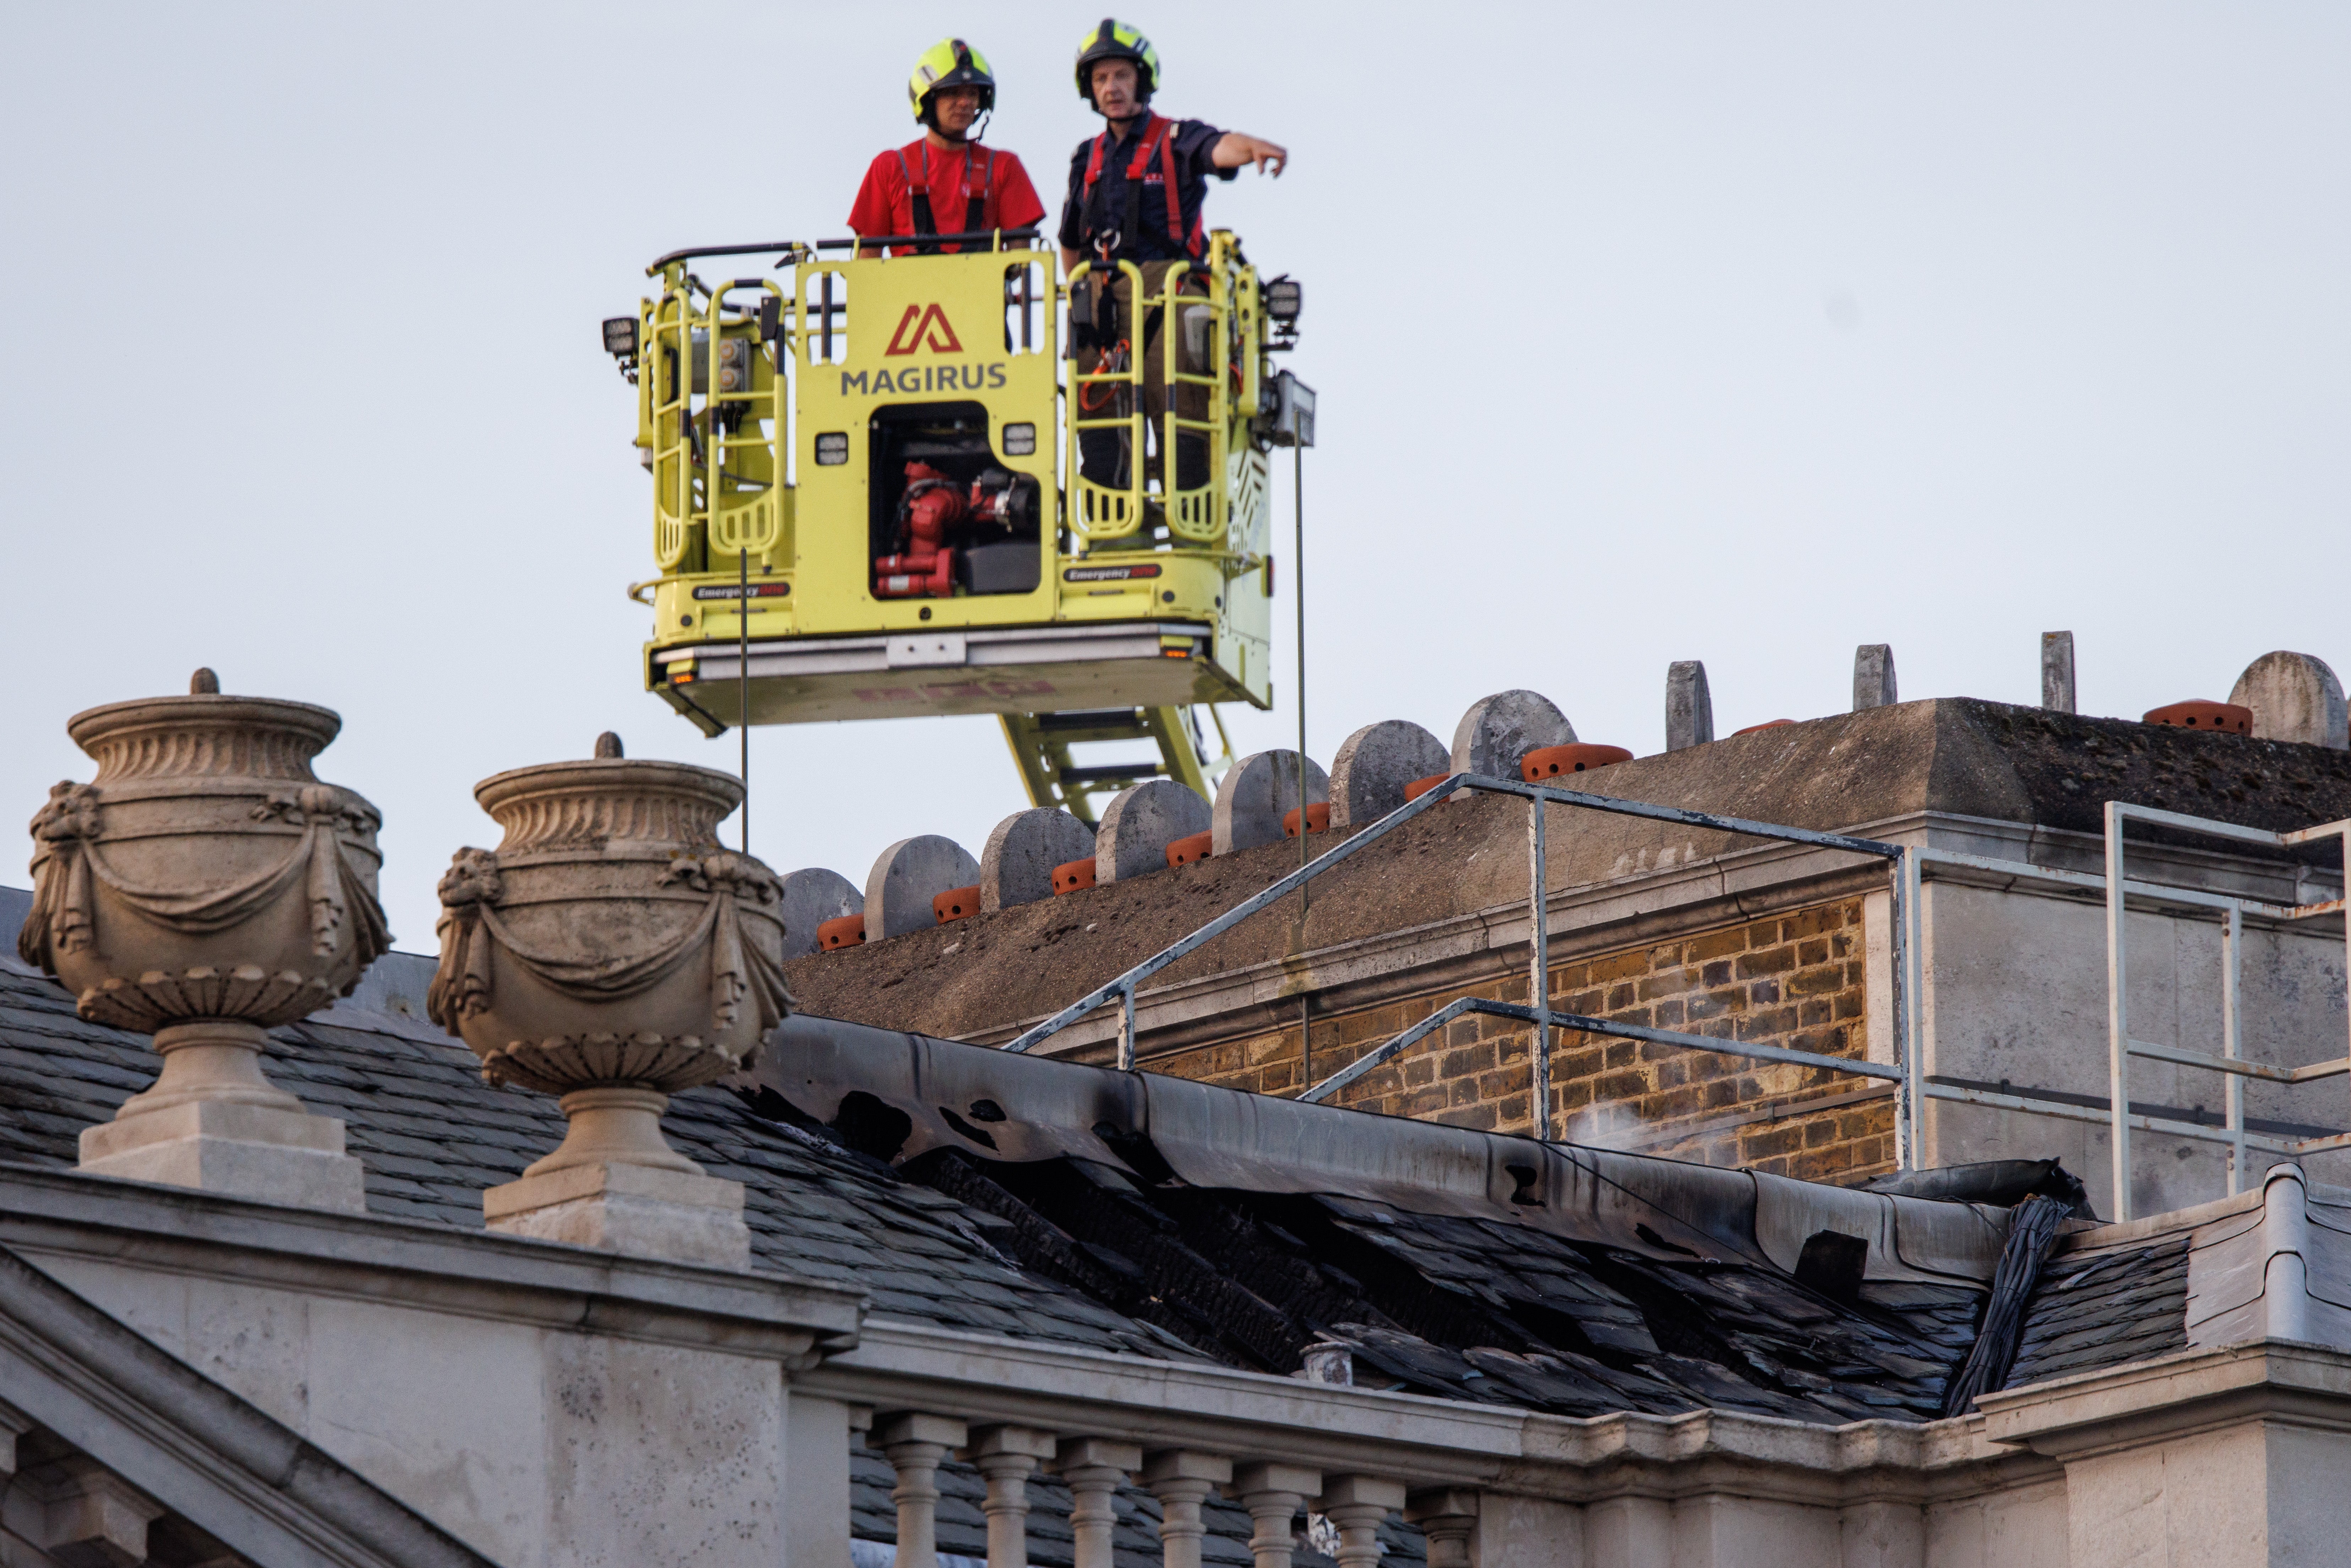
<point>1907,868</point>
<point>1098,508</point>
<point>1193,512</point>
<point>1102,511</point>
<point>1903,891</point>
<point>2117,890</point>
<point>712,482</point>
<point>2231,1063</point>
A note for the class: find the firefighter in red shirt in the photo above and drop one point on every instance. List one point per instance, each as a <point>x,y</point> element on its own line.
<point>945,183</point>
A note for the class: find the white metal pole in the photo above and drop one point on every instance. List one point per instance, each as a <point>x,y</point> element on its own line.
<point>1539,965</point>
<point>2232,946</point>
<point>1914,989</point>
<point>742,624</point>
<point>2117,1017</point>
<point>1305,890</point>
<point>1897,937</point>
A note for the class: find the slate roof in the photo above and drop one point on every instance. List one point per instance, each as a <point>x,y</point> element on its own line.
<point>433,1135</point>
<point>2104,1309</point>
<point>1484,1309</point>
<point>1730,1336</point>
<point>1490,1310</point>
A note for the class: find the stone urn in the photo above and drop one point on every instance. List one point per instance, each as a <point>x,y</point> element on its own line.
<point>611,951</point>
<point>204,888</point>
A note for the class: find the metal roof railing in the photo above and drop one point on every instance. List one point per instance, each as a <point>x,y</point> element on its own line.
<point>1903,878</point>
<point>1906,867</point>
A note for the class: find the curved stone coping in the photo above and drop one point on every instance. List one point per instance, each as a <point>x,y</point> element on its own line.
<point>1017,865</point>
<point>2295,697</point>
<point>1374,764</point>
<point>1139,824</point>
<point>1497,731</point>
<point>1255,793</point>
<point>905,879</point>
<point>810,897</point>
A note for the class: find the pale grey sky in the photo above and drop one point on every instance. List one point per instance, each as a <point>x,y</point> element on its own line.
<point>1744,332</point>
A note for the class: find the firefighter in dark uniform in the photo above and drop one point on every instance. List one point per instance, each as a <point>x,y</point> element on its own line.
<point>1135,195</point>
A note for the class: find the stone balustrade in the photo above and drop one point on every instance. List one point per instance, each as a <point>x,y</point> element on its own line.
<point>1274,1491</point>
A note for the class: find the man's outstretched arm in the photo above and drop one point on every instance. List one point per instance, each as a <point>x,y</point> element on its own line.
<point>1235,148</point>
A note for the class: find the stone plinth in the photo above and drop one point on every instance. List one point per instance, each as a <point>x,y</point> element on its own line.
<point>645,1212</point>
<point>213,1122</point>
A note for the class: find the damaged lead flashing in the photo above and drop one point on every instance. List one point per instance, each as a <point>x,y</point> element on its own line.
<point>1656,1293</point>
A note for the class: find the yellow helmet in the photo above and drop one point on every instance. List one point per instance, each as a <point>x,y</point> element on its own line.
<point>1114,40</point>
<point>950,62</point>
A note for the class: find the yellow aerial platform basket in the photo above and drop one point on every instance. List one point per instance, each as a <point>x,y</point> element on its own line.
<point>885,486</point>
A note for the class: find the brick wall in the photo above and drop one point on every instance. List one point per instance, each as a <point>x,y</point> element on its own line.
<point>1794,980</point>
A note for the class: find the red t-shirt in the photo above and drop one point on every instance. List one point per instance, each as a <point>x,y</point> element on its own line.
<point>885,202</point>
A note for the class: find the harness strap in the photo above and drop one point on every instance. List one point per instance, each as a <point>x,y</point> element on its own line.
<point>1158,141</point>
<point>974,202</point>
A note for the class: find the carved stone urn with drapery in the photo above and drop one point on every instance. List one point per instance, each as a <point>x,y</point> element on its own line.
<point>611,951</point>
<point>205,888</point>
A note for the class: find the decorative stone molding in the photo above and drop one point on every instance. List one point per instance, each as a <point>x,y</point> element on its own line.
<point>85,1516</point>
<point>205,888</point>
<point>610,952</point>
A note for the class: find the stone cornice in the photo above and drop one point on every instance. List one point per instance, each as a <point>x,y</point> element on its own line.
<point>1430,1442</point>
<point>432,1268</point>
<point>2174,1395</point>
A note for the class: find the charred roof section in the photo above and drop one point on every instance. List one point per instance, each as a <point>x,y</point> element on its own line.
<point>1283,1238</point>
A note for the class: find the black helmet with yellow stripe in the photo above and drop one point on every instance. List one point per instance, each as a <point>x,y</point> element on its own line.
<point>1114,40</point>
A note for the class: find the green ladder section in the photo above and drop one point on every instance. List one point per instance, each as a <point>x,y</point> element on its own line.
<point>1040,744</point>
